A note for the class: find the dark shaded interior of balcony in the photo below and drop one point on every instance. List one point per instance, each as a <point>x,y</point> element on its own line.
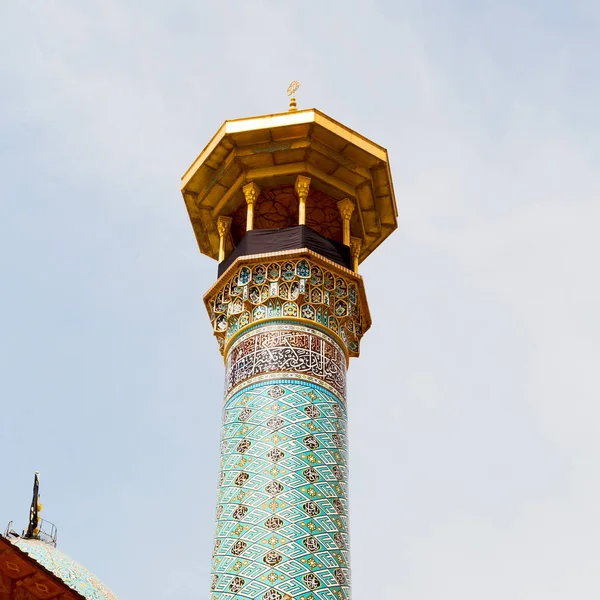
<point>263,241</point>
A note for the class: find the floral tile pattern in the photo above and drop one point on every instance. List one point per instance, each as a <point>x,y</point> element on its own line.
<point>72,573</point>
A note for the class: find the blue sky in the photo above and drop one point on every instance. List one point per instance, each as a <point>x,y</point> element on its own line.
<point>473,408</point>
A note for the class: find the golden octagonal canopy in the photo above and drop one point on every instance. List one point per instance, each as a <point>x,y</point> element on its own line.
<point>271,152</point>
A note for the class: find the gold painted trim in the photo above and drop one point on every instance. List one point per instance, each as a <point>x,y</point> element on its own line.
<point>276,170</point>
<point>207,151</point>
<point>297,168</point>
<point>310,115</point>
<point>351,136</point>
<point>244,124</point>
<point>237,184</point>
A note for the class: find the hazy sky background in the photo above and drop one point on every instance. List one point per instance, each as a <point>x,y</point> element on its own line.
<point>474,410</point>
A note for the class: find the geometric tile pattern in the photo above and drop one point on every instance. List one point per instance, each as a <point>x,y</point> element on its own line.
<point>282,512</point>
<point>289,285</point>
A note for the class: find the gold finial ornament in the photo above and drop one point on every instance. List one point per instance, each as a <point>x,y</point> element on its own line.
<point>291,92</point>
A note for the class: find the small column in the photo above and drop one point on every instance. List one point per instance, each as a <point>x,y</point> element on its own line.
<point>355,246</point>
<point>223,227</point>
<point>251,192</point>
<point>346,208</point>
<point>302,186</point>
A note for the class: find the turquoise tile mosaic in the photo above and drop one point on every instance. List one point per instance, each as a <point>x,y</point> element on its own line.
<point>76,576</point>
<point>314,291</point>
<point>282,524</point>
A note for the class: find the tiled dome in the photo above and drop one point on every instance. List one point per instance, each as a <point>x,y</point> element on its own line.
<point>70,572</point>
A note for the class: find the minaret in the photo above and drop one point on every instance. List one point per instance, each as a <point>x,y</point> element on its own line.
<point>289,204</point>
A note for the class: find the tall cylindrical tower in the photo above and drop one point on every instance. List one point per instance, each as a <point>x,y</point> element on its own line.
<point>289,204</point>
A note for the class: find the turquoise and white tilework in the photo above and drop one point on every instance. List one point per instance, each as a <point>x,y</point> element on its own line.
<point>76,576</point>
<point>282,524</point>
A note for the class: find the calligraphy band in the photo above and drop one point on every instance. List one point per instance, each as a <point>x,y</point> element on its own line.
<point>290,350</point>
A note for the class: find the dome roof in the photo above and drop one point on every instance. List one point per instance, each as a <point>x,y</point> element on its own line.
<point>74,575</point>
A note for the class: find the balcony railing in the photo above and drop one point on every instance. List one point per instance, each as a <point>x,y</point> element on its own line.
<point>47,532</point>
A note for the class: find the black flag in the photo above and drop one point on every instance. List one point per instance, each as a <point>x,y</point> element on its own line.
<point>34,519</point>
